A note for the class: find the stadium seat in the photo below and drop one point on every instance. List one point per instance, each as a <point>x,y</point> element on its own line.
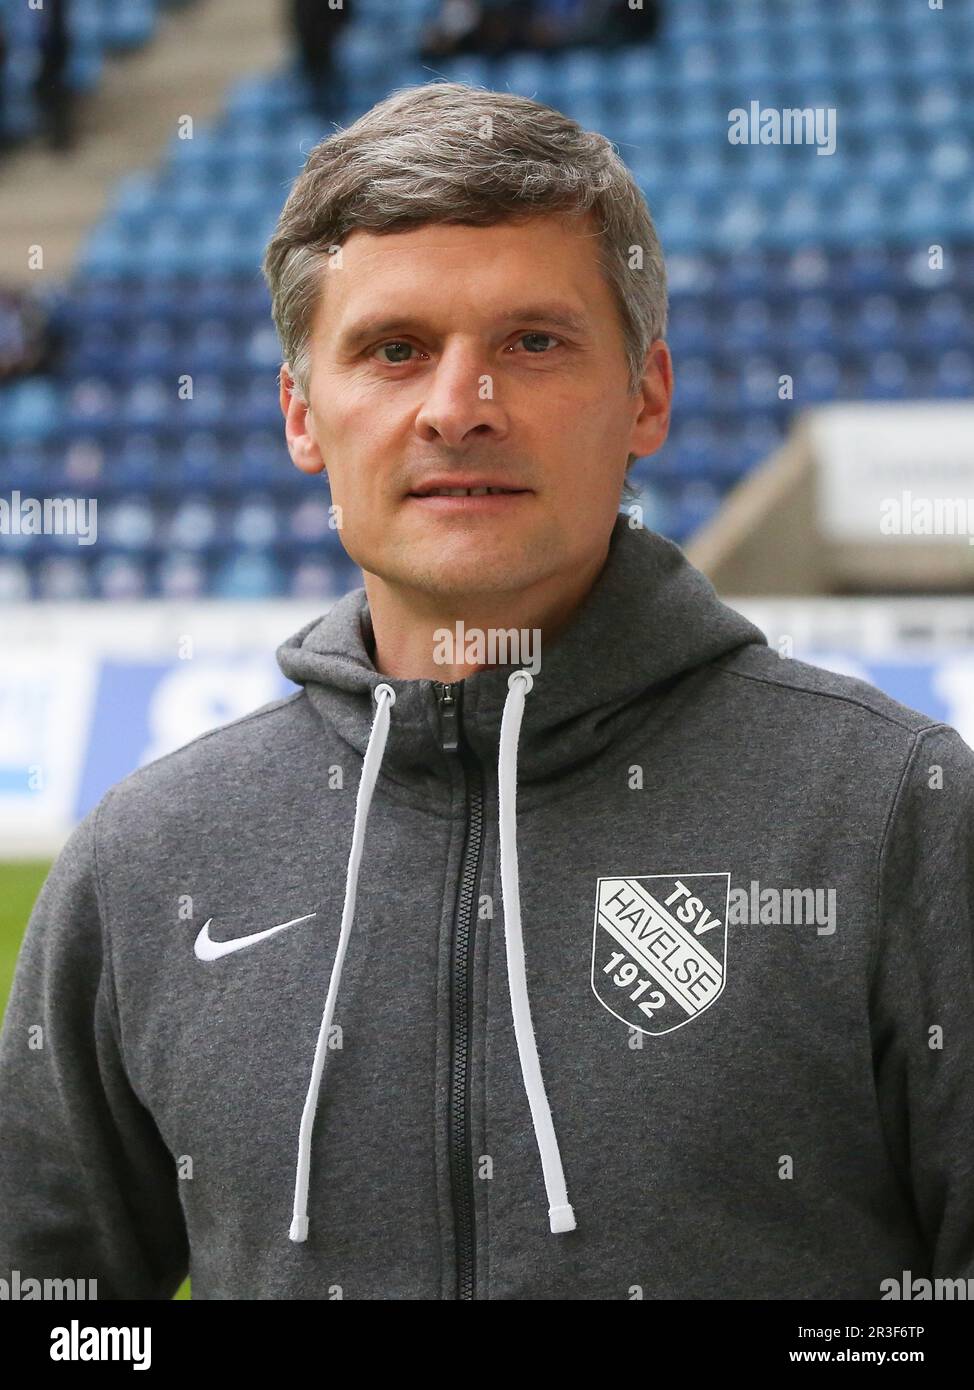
<point>780,261</point>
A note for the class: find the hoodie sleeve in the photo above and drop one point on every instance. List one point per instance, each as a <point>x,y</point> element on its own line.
<point>88,1190</point>
<point>923,995</point>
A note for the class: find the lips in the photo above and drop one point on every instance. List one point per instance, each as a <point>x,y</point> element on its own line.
<point>476,487</point>
<point>468,492</point>
<point>471,501</point>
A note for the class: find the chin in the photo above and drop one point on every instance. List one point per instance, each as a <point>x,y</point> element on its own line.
<point>472,574</point>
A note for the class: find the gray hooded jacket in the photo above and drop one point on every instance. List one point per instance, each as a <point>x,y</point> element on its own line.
<point>649,978</point>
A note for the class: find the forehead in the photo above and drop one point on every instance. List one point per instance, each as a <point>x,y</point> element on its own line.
<point>471,270</point>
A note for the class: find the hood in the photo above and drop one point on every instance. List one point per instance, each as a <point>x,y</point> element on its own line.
<point>649,619</point>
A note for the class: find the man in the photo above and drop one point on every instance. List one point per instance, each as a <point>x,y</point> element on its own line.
<point>52,86</point>
<point>459,973</point>
<point>316,25</point>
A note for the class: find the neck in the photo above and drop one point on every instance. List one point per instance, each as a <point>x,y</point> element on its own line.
<point>447,637</point>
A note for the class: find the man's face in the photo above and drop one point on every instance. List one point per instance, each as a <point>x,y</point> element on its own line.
<point>459,356</point>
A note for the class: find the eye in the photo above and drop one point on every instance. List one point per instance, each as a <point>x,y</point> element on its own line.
<point>397,345</point>
<point>534,351</point>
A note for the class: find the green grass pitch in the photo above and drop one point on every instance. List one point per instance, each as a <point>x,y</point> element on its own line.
<point>19,886</point>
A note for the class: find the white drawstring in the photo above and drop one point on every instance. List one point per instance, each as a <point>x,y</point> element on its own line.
<point>560,1213</point>
<point>366,786</point>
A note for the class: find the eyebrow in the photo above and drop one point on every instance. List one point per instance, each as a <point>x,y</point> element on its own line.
<point>557,315</point>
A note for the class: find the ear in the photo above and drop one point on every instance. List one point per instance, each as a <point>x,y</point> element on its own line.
<point>298,428</point>
<point>652,424</point>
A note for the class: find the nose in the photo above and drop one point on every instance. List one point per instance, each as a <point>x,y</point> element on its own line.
<point>461,403</point>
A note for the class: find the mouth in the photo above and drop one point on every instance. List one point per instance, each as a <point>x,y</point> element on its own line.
<point>468,499</point>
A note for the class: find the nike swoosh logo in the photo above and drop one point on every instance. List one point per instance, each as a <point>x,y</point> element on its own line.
<point>205,949</point>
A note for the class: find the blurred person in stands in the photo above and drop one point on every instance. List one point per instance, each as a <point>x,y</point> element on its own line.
<point>611,22</point>
<point>453,31</point>
<point>55,98</point>
<point>556,24</point>
<point>316,25</point>
<point>4,139</point>
<point>495,27</point>
<point>26,341</point>
<point>490,27</point>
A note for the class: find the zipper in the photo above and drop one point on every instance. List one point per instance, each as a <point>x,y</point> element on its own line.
<point>449,696</point>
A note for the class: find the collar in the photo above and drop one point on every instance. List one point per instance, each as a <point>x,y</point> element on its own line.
<point>649,619</point>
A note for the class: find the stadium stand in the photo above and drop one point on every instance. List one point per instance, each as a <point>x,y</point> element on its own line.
<point>823,267</point>
<point>96,30</point>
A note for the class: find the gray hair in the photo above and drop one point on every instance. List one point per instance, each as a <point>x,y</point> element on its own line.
<point>448,152</point>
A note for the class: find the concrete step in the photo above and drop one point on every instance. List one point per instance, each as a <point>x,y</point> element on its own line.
<point>52,199</point>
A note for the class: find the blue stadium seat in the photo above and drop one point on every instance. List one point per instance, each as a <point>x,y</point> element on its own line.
<point>255,522</point>
<point>15,585</point>
<point>249,574</point>
<point>182,576</point>
<point>192,526</point>
<point>29,410</point>
<point>140,459</point>
<point>63,577</point>
<point>953,374</point>
<point>121,577</point>
<point>780,261</point>
<point>314,578</point>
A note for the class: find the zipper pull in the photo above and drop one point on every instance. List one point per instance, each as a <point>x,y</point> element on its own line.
<point>448,716</point>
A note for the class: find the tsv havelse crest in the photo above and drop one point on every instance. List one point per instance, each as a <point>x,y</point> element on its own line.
<point>659,948</point>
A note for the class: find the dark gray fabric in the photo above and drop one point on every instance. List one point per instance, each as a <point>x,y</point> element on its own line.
<point>805,1136</point>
